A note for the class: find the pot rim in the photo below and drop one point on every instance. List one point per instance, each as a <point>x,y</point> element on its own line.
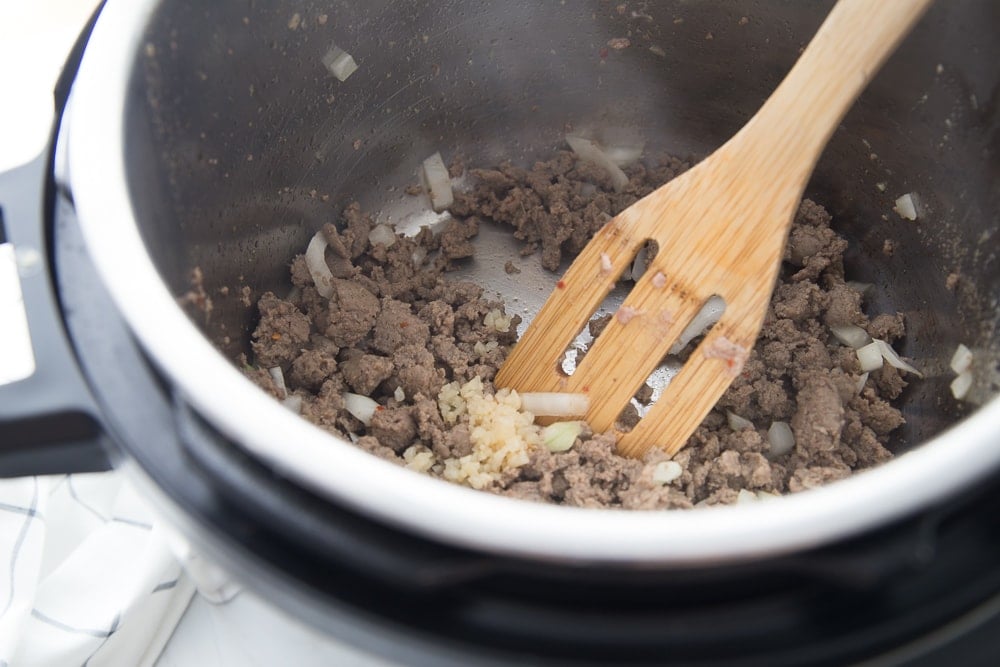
<point>339,471</point>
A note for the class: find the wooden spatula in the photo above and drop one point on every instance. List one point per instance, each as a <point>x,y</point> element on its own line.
<point>721,229</point>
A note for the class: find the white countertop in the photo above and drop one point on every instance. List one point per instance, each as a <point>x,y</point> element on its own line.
<point>35,38</point>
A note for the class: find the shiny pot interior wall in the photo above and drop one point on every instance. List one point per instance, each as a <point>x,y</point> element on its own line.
<point>241,144</point>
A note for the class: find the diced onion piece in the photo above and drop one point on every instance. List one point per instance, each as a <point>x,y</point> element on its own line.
<point>781,438</point>
<point>738,423</point>
<point>399,394</point>
<point>418,256</point>
<point>861,383</point>
<point>870,357</point>
<point>293,403</point>
<point>339,63</point>
<point>382,234</point>
<point>894,359</point>
<point>709,314</point>
<point>961,384</point>
<point>554,404</point>
<point>622,144</point>
<point>560,436</point>
<point>623,155</point>
<point>667,471</point>
<point>906,207</point>
<point>361,407</point>
<point>438,182</point>
<point>279,379</point>
<point>316,263</point>
<point>851,336</point>
<point>591,152</point>
<point>765,495</point>
<point>640,262</point>
<point>862,288</point>
<point>745,496</point>
<point>961,360</point>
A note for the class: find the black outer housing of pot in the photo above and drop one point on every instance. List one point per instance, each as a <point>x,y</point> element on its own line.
<point>49,422</point>
<point>426,603</point>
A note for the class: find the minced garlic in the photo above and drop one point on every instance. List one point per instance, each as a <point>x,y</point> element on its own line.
<point>418,458</point>
<point>502,435</point>
<point>495,319</point>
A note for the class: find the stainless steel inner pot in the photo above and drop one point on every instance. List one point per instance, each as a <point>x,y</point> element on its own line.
<point>211,136</point>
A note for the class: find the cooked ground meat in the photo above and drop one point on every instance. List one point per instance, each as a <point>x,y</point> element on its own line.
<point>282,331</point>
<point>352,312</point>
<point>394,427</point>
<point>397,329</point>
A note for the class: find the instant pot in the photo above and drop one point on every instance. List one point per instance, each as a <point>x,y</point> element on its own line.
<point>212,137</point>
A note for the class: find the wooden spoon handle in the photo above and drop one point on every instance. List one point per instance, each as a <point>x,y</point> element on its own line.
<point>720,228</point>
<point>852,43</point>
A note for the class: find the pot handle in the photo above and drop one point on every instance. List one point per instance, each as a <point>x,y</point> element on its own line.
<point>48,417</point>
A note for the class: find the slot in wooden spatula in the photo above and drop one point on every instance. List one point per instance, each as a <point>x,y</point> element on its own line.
<point>721,229</point>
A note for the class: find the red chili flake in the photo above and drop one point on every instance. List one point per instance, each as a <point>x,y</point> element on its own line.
<point>404,324</point>
<point>603,53</point>
<point>561,284</point>
<point>379,408</point>
<point>586,388</point>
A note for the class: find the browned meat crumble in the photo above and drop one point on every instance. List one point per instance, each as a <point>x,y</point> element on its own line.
<point>399,330</point>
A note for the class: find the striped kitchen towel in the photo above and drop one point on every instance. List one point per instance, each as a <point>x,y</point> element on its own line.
<point>86,575</point>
